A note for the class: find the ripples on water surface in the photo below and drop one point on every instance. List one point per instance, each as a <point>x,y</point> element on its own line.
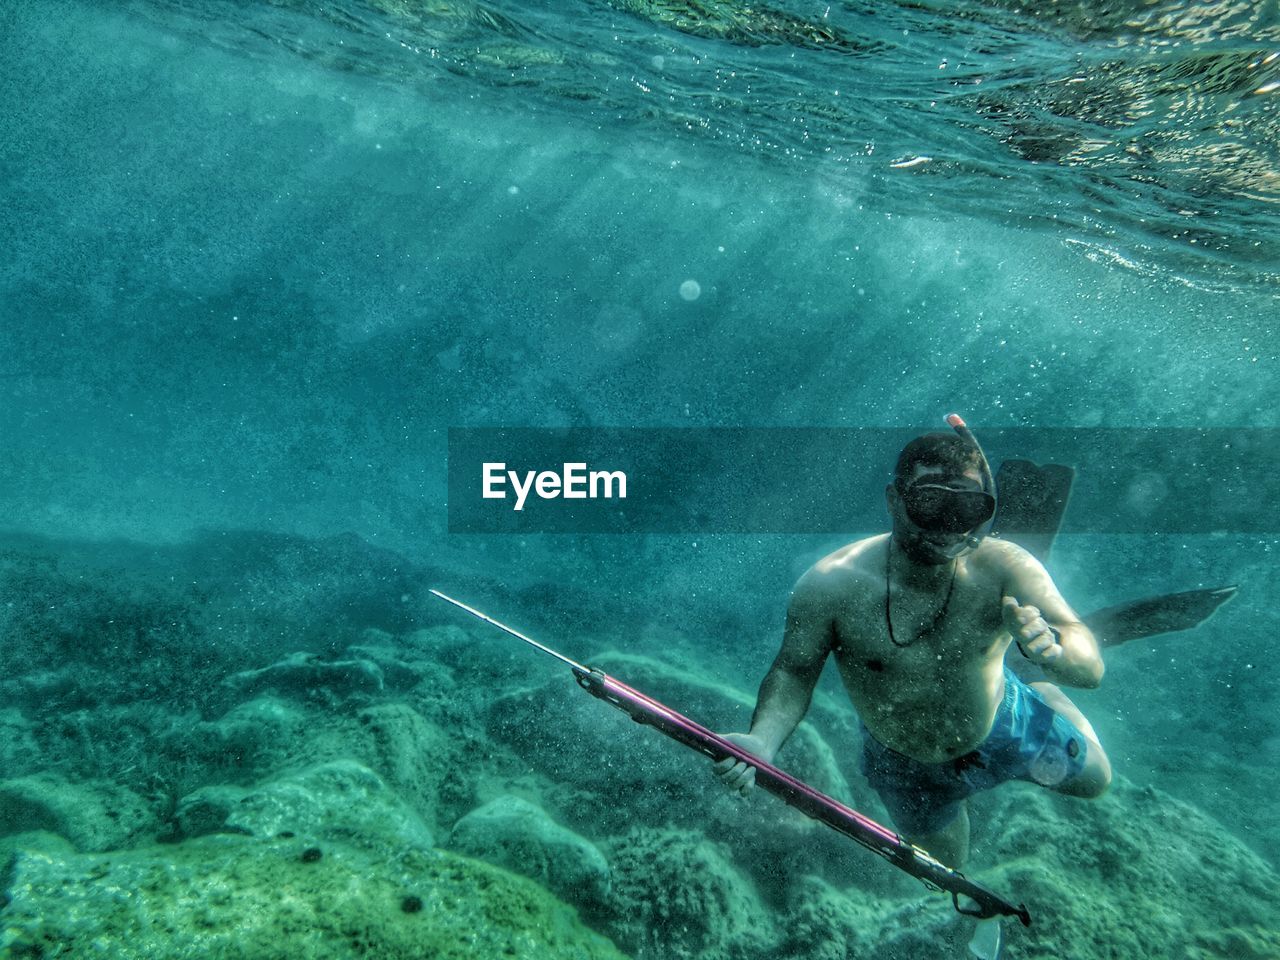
<point>1150,129</point>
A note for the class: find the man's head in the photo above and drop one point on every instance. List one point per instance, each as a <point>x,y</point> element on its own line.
<point>941,493</point>
<point>946,454</point>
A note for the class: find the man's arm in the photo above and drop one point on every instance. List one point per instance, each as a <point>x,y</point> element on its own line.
<point>788,687</point>
<point>1046,629</point>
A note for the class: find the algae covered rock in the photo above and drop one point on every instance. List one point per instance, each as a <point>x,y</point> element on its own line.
<point>19,751</point>
<point>1251,942</point>
<point>241,898</point>
<point>94,815</point>
<point>419,759</point>
<point>340,800</point>
<point>520,836</point>
<point>1137,874</point>
<point>307,675</point>
<point>252,739</point>
<point>374,665</point>
<point>676,896</point>
<point>400,670</point>
<point>825,923</point>
<point>265,736</point>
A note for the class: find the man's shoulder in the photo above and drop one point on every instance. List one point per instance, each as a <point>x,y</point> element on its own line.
<point>1005,561</point>
<point>1005,554</point>
<point>843,569</point>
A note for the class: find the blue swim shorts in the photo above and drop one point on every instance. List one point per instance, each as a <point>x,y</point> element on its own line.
<point>1029,740</point>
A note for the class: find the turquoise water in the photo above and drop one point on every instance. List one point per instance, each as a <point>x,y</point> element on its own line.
<point>259,258</point>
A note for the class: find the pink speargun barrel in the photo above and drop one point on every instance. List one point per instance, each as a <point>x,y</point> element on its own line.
<point>795,793</point>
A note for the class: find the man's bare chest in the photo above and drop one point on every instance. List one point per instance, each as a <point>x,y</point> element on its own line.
<point>915,628</point>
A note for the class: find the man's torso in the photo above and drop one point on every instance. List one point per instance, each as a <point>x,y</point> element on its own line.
<point>932,694</point>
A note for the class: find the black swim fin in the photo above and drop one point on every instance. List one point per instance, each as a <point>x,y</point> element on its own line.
<point>1147,617</point>
<point>1031,503</point>
<point>1153,615</point>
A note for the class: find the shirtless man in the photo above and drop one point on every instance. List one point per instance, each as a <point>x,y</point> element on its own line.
<point>919,622</point>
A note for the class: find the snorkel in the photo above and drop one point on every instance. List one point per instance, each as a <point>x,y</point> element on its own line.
<point>978,533</point>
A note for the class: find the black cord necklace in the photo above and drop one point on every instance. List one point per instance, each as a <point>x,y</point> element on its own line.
<point>937,617</point>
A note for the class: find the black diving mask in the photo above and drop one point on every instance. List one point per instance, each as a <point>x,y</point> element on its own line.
<point>957,505</point>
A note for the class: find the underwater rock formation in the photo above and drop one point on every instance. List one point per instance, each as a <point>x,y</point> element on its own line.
<point>341,800</point>
<point>1135,874</point>
<point>304,674</point>
<point>95,815</point>
<point>327,863</point>
<point>241,898</point>
<point>418,759</point>
<point>264,737</point>
<point>825,923</point>
<point>254,738</point>
<point>18,748</point>
<point>677,896</point>
<point>520,836</point>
